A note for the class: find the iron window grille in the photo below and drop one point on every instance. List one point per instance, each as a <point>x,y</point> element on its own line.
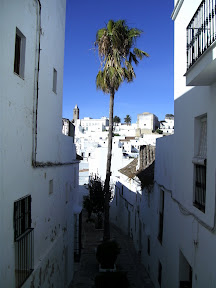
<point>201,31</point>
<point>200,187</point>
<point>77,237</point>
<point>200,168</point>
<point>24,240</point>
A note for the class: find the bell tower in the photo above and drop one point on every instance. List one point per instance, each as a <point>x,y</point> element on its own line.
<point>75,113</point>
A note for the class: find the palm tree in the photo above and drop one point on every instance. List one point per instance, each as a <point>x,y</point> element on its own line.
<point>127,119</point>
<point>116,120</point>
<point>115,43</point>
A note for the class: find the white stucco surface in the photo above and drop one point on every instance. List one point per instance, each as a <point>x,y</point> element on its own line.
<point>52,213</point>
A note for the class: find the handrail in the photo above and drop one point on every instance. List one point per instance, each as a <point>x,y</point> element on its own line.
<point>201,31</point>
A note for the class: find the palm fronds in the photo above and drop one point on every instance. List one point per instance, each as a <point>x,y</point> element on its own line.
<point>115,43</point>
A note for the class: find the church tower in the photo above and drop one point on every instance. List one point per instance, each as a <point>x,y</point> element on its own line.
<point>76,113</point>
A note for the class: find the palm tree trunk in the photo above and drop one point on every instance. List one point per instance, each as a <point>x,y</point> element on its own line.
<point>108,172</point>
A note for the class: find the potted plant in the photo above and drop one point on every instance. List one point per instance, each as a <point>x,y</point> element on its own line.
<point>107,253</point>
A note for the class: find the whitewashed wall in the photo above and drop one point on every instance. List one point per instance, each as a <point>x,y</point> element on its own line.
<point>52,214</point>
<point>187,231</point>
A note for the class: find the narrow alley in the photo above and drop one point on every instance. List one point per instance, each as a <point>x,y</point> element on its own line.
<point>128,259</point>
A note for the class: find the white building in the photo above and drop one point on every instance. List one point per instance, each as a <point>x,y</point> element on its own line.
<point>146,123</point>
<point>179,235</point>
<point>125,130</point>
<point>98,159</point>
<point>132,188</point>
<point>167,125</point>
<point>68,128</point>
<point>38,166</point>
<point>92,125</point>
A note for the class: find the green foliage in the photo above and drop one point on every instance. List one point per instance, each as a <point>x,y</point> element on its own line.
<point>111,279</point>
<point>96,194</point>
<point>87,204</point>
<point>159,131</point>
<point>116,134</point>
<point>107,253</point>
<point>95,201</point>
<point>170,116</point>
<point>116,120</point>
<point>117,51</point>
<point>127,119</point>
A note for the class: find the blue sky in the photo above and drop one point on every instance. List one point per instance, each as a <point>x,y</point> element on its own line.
<point>152,89</point>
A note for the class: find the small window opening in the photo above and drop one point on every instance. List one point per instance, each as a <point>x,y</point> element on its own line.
<point>54,80</point>
<point>19,54</point>
<point>51,186</point>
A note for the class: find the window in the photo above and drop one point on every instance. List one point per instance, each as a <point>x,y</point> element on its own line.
<point>19,54</point>
<point>51,186</point>
<point>24,241</point>
<point>199,162</point>
<point>54,80</point>
<point>149,247</point>
<point>161,216</point>
<point>77,236</point>
<point>185,272</point>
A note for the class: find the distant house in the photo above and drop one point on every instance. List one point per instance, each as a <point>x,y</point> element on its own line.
<point>132,186</point>
<point>146,123</point>
<point>39,207</point>
<point>68,128</point>
<point>167,125</point>
<point>92,125</point>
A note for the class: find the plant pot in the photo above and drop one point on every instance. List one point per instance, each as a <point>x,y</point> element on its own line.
<point>107,253</point>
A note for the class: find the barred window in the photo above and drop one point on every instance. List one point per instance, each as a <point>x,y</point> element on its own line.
<point>24,241</point>
<point>200,164</point>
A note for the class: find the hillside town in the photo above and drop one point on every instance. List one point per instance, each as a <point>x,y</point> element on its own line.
<point>162,187</point>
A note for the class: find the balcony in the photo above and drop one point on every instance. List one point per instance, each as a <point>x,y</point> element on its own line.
<point>201,46</point>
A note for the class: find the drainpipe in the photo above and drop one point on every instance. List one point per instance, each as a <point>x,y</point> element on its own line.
<point>35,163</point>
<point>36,84</point>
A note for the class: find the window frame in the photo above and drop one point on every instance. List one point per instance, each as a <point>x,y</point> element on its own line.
<point>200,172</point>
<point>19,54</point>
<point>200,162</point>
<point>54,81</point>
<point>24,240</point>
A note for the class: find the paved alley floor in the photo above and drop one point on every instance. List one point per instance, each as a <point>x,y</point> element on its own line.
<point>128,260</point>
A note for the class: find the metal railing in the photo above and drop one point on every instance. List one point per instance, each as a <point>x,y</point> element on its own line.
<point>201,31</point>
<point>24,256</point>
